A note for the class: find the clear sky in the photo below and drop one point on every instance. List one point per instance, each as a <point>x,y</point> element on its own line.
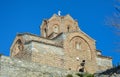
<point>18,16</point>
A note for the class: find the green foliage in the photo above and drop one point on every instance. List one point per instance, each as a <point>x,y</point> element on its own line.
<point>69,75</point>
<point>80,75</point>
<point>85,75</point>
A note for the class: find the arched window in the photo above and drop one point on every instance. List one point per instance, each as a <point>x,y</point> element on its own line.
<point>55,28</point>
<point>68,28</point>
<point>78,45</point>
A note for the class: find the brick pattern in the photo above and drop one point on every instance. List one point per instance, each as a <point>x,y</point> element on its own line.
<point>62,52</point>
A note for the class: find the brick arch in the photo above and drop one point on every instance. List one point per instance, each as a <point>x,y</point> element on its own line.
<point>89,41</point>
<point>48,25</point>
<point>51,26</point>
<point>85,42</point>
<point>56,28</point>
<point>20,43</point>
<point>18,46</point>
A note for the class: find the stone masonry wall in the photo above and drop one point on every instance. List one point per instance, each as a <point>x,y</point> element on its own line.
<point>47,54</point>
<point>85,52</point>
<point>103,63</point>
<point>10,67</point>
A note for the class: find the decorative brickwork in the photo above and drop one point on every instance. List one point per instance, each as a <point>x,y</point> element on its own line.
<point>62,44</point>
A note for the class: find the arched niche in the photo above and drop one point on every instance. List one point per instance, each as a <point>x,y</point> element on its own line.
<point>80,46</point>
<point>55,28</point>
<point>18,47</point>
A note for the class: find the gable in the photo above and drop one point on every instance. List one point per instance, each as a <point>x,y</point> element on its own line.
<point>58,24</point>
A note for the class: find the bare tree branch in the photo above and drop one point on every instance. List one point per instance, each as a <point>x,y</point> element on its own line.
<point>114,22</point>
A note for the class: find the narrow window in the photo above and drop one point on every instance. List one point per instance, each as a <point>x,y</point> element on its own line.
<point>45,32</point>
<point>68,28</point>
<point>78,46</point>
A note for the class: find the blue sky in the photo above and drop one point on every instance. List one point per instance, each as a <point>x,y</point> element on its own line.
<point>18,16</point>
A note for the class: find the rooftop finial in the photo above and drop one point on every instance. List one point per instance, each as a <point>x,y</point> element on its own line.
<point>59,12</point>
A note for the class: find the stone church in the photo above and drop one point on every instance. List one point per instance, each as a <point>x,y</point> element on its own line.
<point>62,44</point>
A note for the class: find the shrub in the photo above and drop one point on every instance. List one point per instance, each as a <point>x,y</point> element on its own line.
<point>80,75</point>
<point>69,75</point>
<point>85,75</point>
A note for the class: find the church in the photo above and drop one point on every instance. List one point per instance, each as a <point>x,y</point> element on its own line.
<point>62,44</point>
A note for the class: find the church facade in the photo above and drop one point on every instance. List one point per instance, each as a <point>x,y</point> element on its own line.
<point>62,44</point>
